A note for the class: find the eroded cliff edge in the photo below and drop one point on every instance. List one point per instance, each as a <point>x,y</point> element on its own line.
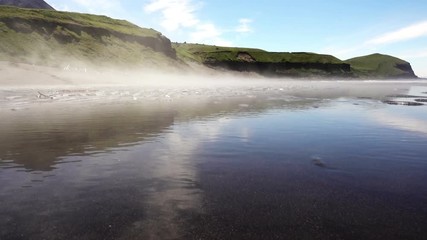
<point>294,64</point>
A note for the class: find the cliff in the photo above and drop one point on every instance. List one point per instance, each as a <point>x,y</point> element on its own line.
<point>40,4</point>
<point>294,64</point>
<point>54,38</point>
<point>271,64</point>
<point>381,66</point>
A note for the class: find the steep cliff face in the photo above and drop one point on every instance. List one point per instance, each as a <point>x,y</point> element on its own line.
<point>296,64</point>
<point>48,36</point>
<point>286,69</point>
<point>39,4</point>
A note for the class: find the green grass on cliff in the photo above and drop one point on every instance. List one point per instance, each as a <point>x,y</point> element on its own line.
<point>86,20</point>
<point>49,37</point>
<point>55,38</point>
<point>201,52</point>
<point>205,53</point>
<point>372,66</point>
<point>377,65</point>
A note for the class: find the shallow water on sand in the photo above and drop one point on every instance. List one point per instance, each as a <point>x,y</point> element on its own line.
<point>276,162</point>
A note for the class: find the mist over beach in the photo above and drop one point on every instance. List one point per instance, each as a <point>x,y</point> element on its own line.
<point>183,119</point>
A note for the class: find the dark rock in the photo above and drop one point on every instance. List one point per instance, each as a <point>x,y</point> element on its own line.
<point>406,67</point>
<point>421,100</point>
<point>404,103</point>
<point>405,96</point>
<point>245,57</point>
<point>280,69</point>
<point>318,162</point>
<point>39,4</point>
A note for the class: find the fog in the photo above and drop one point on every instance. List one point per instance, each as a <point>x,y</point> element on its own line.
<point>26,83</point>
<point>127,143</point>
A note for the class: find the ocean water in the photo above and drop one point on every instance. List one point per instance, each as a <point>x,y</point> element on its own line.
<point>300,160</point>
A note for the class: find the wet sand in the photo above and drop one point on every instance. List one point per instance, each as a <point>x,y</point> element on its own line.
<point>209,158</point>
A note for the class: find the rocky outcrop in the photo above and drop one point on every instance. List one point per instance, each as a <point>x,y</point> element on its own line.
<point>39,4</point>
<point>408,72</point>
<point>284,69</point>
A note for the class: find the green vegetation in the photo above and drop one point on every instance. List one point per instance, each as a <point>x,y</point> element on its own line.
<point>202,53</point>
<point>295,64</point>
<point>274,64</point>
<point>207,53</point>
<point>57,38</point>
<point>380,66</point>
<point>80,19</point>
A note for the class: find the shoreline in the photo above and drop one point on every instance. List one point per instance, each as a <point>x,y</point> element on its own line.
<point>25,74</point>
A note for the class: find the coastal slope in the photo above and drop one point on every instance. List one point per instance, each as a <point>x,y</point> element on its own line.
<point>294,64</point>
<point>55,38</point>
<point>381,66</point>
<point>61,39</point>
<point>271,64</point>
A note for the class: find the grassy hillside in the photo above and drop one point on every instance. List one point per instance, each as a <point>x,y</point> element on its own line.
<point>48,37</point>
<point>381,66</point>
<point>294,64</point>
<point>203,53</point>
<point>206,53</point>
<point>275,64</point>
<point>55,38</point>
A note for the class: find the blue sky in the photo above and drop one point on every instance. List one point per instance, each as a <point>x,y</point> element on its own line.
<point>345,28</point>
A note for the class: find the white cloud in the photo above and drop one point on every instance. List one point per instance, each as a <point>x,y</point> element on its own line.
<point>414,31</point>
<point>416,54</point>
<point>181,16</point>
<point>62,7</point>
<point>208,32</point>
<point>342,52</point>
<point>176,14</point>
<point>244,25</point>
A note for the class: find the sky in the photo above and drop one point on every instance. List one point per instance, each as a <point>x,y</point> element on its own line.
<point>345,28</point>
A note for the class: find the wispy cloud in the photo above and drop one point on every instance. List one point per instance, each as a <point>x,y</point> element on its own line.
<point>415,54</point>
<point>176,14</point>
<point>379,43</point>
<point>244,25</point>
<point>343,52</point>
<point>411,32</point>
<point>208,32</point>
<point>182,16</point>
